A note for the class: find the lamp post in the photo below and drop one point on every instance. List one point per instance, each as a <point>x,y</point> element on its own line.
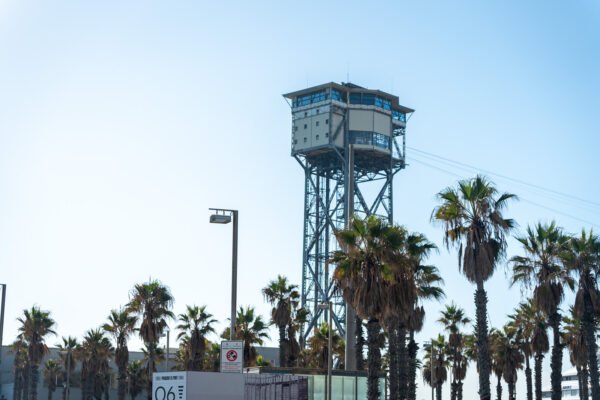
<point>2,326</point>
<point>225,216</point>
<point>327,306</point>
<point>167,355</point>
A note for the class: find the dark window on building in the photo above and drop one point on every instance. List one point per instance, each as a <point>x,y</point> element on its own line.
<point>317,123</point>
<point>305,140</point>
<point>317,137</point>
<point>305,126</point>
<point>326,122</point>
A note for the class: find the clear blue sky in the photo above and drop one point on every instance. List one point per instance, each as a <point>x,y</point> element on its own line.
<point>122,122</point>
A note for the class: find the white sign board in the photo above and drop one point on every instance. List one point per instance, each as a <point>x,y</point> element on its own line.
<point>169,386</point>
<point>232,356</point>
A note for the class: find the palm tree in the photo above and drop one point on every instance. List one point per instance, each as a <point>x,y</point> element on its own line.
<point>136,378</point>
<point>574,338</point>
<point>453,318</point>
<point>212,359</point>
<point>506,351</point>
<point>363,272</point>
<point>497,364</point>
<point>121,325</point>
<point>252,330</point>
<point>52,371</point>
<point>20,367</point>
<point>35,326</point>
<point>541,268</point>
<point>523,323</point>
<point>195,324</point>
<point>435,370</point>
<point>472,217</point>
<point>428,281</point>
<point>152,302</point>
<point>281,295</point>
<point>318,347</point>
<point>583,258</point>
<point>67,349</point>
<point>299,318</point>
<point>95,353</point>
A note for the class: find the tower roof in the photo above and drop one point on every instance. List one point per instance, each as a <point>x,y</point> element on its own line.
<point>348,87</point>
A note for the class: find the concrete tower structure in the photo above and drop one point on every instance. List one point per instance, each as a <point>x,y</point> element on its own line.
<point>350,142</point>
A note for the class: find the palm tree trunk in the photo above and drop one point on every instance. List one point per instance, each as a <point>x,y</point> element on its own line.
<point>499,388</point>
<point>438,391</point>
<point>412,369</point>
<point>483,353</point>
<point>589,329</point>
<point>453,390</point>
<point>511,389</point>
<point>50,393</point>
<point>122,382</point>
<point>373,359</point>
<point>584,383</point>
<point>17,387</point>
<point>26,379</point>
<point>539,357</point>
<point>528,378</point>
<point>35,372</point>
<point>393,347</point>
<point>282,347</point>
<point>403,362</point>
<point>360,345</point>
<point>459,394</point>
<point>556,360</point>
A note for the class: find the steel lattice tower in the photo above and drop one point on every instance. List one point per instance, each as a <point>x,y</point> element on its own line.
<point>350,142</point>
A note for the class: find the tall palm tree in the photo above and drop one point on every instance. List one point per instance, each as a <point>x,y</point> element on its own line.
<point>583,258</point>
<point>67,351</point>
<point>152,302</point>
<point>318,347</point>
<point>435,369</point>
<point>195,324</point>
<point>523,322</point>
<point>281,295</point>
<point>472,217</point>
<point>542,268</point>
<point>121,325</point>
<point>497,364</point>
<point>428,281</point>
<point>252,330</point>
<point>20,367</point>
<point>35,326</point>
<point>507,352</point>
<point>52,371</point>
<point>95,352</point>
<point>299,318</point>
<point>453,318</point>
<point>136,378</point>
<point>574,338</point>
<point>363,271</point>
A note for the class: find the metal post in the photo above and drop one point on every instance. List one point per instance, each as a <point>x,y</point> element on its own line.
<point>167,359</point>
<point>2,327</point>
<point>69,355</point>
<point>329,355</point>
<point>234,273</point>
<point>350,352</point>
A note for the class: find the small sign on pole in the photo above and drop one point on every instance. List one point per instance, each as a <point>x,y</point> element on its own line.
<point>169,386</point>
<point>232,356</point>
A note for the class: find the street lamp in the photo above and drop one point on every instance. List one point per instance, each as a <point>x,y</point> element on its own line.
<point>327,306</point>
<point>2,324</point>
<point>168,331</point>
<point>225,216</point>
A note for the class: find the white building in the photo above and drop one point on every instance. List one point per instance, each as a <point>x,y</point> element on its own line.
<point>569,385</point>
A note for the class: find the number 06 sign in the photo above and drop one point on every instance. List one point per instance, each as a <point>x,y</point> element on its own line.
<point>169,386</point>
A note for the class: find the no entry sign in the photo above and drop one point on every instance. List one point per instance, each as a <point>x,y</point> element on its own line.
<point>232,356</point>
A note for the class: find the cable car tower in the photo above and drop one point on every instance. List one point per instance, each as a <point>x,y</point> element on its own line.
<point>350,142</point>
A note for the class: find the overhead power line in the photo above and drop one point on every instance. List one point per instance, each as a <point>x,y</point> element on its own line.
<point>469,168</point>
<point>519,181</point>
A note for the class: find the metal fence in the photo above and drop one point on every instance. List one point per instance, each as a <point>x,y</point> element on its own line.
<point>276,387</point>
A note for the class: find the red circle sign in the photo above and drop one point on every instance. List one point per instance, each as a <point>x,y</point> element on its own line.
<point>231,355</point>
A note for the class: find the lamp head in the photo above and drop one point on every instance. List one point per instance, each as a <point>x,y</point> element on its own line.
<point>220,219</point>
